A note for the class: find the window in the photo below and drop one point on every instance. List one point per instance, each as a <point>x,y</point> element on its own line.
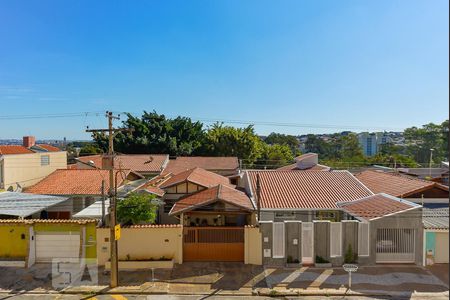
<point>278,239</point>
<point>335,239</point>
<point>45,160</point>
<point>363,239</point>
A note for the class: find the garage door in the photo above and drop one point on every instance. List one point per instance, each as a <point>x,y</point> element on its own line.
<point>441,255</point>
<point>395,245</point>
<point>57,245</point>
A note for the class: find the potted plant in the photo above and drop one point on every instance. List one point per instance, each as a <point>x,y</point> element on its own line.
<point>293,263</point>
<point>322,262</point>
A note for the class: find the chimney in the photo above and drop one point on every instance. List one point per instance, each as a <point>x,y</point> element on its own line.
<point>29,141</point>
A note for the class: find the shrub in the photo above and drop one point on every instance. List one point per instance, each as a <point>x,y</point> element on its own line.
<point>321,260</point>
<point>350,256</point>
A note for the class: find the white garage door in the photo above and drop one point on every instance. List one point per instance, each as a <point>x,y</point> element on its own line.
<point>57,245</point>
<point>441,255</point>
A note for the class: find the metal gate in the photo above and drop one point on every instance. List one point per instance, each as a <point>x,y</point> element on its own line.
<point>395,245</point>
<point>213,244</point>
<point>307,243</point>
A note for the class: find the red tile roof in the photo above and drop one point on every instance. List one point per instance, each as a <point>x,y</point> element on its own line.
<point>217,193</point>
<point>73,182</point>
<point>393,184</point>
<point>306,190</point>
<point>376,206</point>
<point>197,176</point>
<point>144,163</point>
<point>213,164</point>
<point>49,148</point>
<point>14,149</point>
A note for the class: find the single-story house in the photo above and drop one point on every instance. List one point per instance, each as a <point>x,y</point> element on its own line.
<point>435,224</point>
<point>427,193</point>
<point>148,165</point>
<point>222,165</point>
<point>82,187</point>
<point>305,216</point>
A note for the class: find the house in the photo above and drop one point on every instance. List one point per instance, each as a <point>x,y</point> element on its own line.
<point>302,196</point>
<point>24,205</point>
<point>82,187</point>
<point>304,216</point>
<point>23,165</point>
<point>148,165</point>
<point>435,224</point>
<point>173,187</point>
<point>428,193</point>
<point>439,175</point>
<point>222,165</point>
<point>308,161</point>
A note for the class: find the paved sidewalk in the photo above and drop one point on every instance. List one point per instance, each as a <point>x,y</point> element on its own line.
<point>236,279</point>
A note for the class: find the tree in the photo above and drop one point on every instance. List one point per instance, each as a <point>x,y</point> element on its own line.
<point>284,139</point>
<point>90,149</point>
<point>317,145</point>
<point>154,133</point>
<point>136,208</point>
<point>231,141</point>
<point>274,156</point>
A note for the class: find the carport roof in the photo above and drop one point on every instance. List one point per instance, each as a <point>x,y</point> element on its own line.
<point>24,205</point>
<point>435,218</point>
<point>377,206</point>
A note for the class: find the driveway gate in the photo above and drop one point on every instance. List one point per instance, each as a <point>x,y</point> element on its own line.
<point>213,244</point>
<point>395,245</point>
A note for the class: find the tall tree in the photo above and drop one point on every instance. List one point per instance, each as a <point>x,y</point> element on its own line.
<point>154,133</point>
<point>274,156</point>
<point>231,141</point>
<point>284,139</point>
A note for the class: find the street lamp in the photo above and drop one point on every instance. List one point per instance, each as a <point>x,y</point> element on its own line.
<point>431,159</point>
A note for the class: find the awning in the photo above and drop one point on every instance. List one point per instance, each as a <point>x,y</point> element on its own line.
<point>93,211</point>
<point>24,204</point>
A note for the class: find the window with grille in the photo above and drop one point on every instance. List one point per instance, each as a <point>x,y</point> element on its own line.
<point>278,239</point>
<point>363,239</point>
<point>335,239</point>
<point>45,160</point>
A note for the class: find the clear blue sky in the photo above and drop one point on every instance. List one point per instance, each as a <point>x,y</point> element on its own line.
<point>359,63</point>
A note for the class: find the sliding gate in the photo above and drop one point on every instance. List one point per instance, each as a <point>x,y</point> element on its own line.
<point>395,245</point>
<point>213,244</point>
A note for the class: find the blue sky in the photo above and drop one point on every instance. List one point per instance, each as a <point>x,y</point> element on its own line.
<point>368,64</point>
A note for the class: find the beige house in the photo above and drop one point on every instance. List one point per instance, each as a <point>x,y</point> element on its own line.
<point>24,165</point>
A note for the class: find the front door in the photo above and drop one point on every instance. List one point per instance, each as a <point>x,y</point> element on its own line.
<point>213,244</point>
<point>307,243</point>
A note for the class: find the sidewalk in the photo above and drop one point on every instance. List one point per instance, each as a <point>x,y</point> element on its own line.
<point>241,280</point>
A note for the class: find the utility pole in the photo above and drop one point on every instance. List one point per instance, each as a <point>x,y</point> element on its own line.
<point>111,192</point>
<point>431,160</point>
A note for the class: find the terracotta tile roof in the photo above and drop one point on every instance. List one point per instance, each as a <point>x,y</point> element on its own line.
<point>153,226</point>
<point>197,176</point>
<point>152,189</point>
<point>73,182</point>
<point>144,163</point>
<point>393,184</point>
<point>293,167</point>
<point>213,164</point>
<point>72,166</point>
<point>376,206</point>
<point>49,148</point>
<point>306,190</point>
<point>217,193</point>
<point>14,149</point>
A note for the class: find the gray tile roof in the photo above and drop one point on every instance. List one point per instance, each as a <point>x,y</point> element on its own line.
<point>435,218</point>
<point>24,205</point>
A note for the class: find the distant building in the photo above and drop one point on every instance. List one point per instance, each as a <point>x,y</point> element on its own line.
<point>24,165</point>
<point>372,142</point>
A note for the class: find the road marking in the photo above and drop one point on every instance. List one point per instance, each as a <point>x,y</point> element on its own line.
<point>119,297</point>
<point>322,277</point>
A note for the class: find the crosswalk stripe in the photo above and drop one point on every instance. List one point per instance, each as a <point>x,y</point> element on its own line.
<point>119,297</point>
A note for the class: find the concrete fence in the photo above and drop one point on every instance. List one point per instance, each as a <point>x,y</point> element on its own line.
<point>143,242</point>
